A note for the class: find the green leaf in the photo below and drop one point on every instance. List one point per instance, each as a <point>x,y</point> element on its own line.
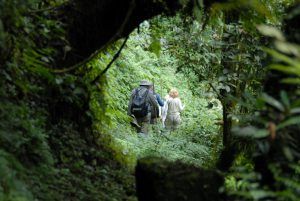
<point>270,31</point>
<point>289,122</point>
<point>43,72</point>
<point>285,69</point>
<point>285,99</point>
<point>227,88</point>
<point>250,131</point>
<point>295,110</point>
<point>287,48</point>
<point>282,57</point>
<point>288,153</point>
<point>155,47</point>
<point>291,81</point>
<point>272,101</point>
<point>260,194</point>
<point>261,133</point>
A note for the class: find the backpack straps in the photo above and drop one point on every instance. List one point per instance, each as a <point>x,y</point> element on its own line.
<point>137,91</point>
<point>147,93</point>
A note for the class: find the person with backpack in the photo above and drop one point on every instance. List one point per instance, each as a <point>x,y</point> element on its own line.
<point>141,103</point>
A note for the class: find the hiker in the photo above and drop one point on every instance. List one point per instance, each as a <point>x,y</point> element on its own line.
<point>155,113</point>
<point>173,112</point>
<point>164,111</point>
<point>142,102</point>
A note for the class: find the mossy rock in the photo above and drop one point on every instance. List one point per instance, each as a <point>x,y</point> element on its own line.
<point>160,180</point>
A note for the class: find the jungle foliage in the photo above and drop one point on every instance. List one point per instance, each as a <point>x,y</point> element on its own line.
<point>47,147</point>
<point>190,143</point>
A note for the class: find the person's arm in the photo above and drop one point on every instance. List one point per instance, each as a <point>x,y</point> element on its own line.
<point>159,100</point>
<point>153,102</point>
<point>181,107</point>
<point>165,109</point>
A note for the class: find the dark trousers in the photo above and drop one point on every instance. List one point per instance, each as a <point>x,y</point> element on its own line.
<point>144,122</point>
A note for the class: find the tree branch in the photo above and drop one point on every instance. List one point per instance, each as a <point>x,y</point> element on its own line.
<point>111,62</point>
<point>113,38</point>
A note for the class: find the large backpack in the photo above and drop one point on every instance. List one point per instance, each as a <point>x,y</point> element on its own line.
<point>139,106</point>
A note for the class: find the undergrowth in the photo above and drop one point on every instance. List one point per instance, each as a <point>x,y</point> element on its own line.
<point>197,141</point>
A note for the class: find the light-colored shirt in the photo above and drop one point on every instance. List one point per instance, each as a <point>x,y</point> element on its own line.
<point>174,106</point>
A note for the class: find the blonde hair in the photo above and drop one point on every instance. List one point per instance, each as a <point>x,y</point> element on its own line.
<point>174,93</point>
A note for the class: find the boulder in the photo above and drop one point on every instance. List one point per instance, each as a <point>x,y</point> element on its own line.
<point>160,180</point>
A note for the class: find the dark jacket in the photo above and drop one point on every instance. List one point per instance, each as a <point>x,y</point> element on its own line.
<point>153,107</point>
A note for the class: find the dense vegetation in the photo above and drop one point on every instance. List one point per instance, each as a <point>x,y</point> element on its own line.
<point>190,142</point>
<point>64,130</point>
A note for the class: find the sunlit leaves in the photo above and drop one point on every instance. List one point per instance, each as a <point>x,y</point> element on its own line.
<point>271,32</point>
<point>295,81</point>
<point>290,121</point>
<point>250,132</point>
<point>155,47</point>
<point>287,48</point>
<point>252,12</point>
<point>291,66</point>
<point>281,57</point>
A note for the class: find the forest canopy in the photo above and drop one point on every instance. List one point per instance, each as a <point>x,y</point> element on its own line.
<point>68,68</point>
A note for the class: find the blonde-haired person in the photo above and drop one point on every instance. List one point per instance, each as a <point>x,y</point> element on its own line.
<point>174,109</point>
